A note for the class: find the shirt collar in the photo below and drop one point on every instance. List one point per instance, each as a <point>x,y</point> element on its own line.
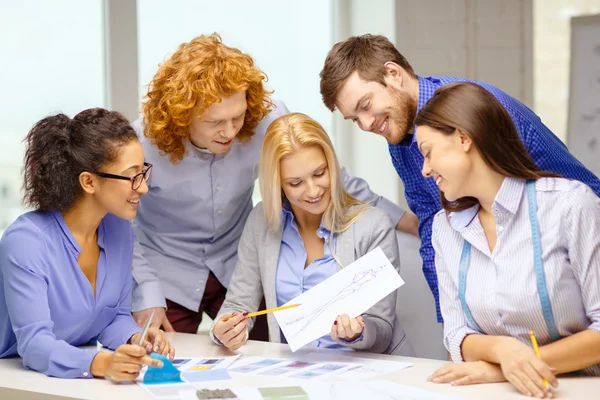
<point>69,235</point>
<point>508,197</point>
<point>288,217</point>
<point>203,154</point>
<point>510,194</point>
<point>427,87</point>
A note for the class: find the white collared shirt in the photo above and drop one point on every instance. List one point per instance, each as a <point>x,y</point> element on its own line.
<point>501,289</point>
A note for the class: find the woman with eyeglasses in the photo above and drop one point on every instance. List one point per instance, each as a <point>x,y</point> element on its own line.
<point>65,268</point>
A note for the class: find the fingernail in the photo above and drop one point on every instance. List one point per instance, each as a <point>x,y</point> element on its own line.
<point>540,395</point>
<point>159,364</point>
<point>234,314</point>
<point>245,314</point>
<point>335,322</point>
<point>555,384</point>
<point>156,349</point>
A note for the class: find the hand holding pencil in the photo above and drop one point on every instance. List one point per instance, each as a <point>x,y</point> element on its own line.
<point>523,368</point>
<point>231,329</point>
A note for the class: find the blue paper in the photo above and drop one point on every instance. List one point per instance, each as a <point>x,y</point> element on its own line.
<point>207,376</point>
<point>167,374</point>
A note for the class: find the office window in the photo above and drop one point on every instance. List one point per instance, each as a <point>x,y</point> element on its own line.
<point>52,61</point>
<point>288,40</point>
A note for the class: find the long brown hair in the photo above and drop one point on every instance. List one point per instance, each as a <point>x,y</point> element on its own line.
<point>474,111</point>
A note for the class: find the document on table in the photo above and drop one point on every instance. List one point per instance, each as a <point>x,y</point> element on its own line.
<point>317,366</point>
<point>194,370</point>
<point>372,390</point>
<point>352,291</point>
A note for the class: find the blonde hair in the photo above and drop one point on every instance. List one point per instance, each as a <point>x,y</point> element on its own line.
<point>285,136</point>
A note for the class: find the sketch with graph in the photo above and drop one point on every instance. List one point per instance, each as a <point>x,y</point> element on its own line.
<point>352,291</point>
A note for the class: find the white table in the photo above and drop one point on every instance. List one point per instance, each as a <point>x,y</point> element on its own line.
<point>18,383</point>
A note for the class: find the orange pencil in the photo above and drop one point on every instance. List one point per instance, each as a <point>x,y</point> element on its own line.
<point>254,314</point>
<point>536,349</point>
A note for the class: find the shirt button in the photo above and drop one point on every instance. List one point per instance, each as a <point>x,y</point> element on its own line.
<point>498,323</point>
<point>85,374</point>
<point>218,187</point>
<point>200,281</point>
<point>500,228</point>
<point>219,211</point>
<point>197,290</point>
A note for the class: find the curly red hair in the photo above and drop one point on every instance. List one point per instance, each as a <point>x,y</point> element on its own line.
<point>199,74</point>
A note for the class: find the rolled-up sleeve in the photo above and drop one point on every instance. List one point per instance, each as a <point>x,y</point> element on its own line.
<point>25,287</point>
<point>455,321</point>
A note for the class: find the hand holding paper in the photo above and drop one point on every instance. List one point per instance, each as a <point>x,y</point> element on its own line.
<point>346,328</point>
<point>351,291</point>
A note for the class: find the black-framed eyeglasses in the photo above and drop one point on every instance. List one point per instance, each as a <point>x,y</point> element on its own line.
<point>136,180</point>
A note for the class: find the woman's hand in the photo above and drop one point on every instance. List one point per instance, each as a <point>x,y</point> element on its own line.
<point>346,328</point>
<point>522,368</point>
<point>230,330</point>
<point>124,364</point>
<point>156,341</point>
<point>468,373</point>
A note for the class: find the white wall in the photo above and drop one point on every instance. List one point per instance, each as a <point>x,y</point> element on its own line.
<point>552,46</point>
<point>365,154</point>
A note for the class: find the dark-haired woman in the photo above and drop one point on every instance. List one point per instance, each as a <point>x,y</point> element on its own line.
<point>66,268</point>
<point>517,249</point>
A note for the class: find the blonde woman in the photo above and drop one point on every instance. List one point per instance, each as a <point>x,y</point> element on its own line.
<point>306,229</point>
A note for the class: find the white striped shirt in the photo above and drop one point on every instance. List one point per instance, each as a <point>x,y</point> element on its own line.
<point>501,289</point>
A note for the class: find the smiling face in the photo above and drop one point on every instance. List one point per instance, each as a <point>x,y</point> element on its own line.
<point>116,196</point>
<point>388,111</point>
<point>305,180</point>
<point>446,159</point>
<point>219,124</point>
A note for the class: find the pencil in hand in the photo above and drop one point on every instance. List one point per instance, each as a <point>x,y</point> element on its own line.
<point>270,310</point>
<point>536,349</point>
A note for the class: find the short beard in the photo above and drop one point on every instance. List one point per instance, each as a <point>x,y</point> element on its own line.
<point>403,113</point>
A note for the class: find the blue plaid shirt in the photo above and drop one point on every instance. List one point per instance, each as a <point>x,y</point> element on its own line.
<point>422,194</point>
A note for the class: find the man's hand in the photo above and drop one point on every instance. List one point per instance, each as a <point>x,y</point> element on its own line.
<point>160,318</point>
<point>409,223</point>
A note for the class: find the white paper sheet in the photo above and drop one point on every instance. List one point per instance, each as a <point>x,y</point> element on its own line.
<point>352,291</point>
<point>317,366</point>
<point>186,365</point>
<point>372,390</point>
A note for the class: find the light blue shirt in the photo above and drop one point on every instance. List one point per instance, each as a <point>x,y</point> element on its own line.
<point>293,279</point>
<point>190,222</point>
<point>47,306</point>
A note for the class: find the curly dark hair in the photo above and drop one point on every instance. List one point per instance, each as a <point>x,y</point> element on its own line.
<point>59,148</point>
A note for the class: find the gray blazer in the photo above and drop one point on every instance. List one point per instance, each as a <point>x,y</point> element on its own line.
<point>255,274</point>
